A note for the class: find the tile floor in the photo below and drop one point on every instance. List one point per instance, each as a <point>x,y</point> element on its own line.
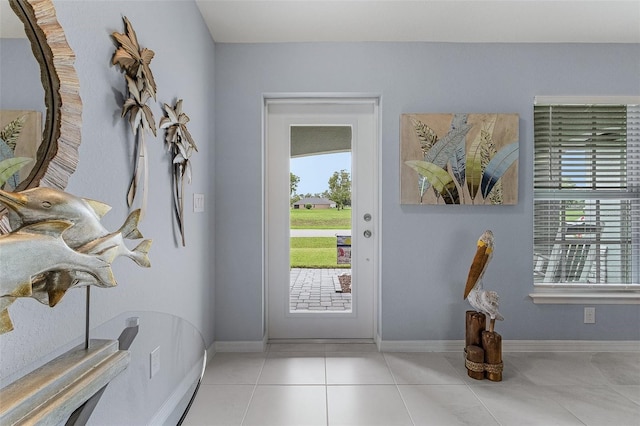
<point>354,384</point>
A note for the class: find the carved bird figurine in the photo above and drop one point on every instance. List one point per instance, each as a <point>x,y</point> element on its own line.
<point>484,301</point>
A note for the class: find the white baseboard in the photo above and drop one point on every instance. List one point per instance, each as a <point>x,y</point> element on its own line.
<point>457,345</point>
<point>378,341</point>
<point>571,346</point>
<point>211,351</point>
<point>241,346</point>
<point>174,406</point>
<point>420,345</point>
<point>513,345</point>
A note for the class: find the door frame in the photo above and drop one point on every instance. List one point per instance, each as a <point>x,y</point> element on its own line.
<point>320,99</point>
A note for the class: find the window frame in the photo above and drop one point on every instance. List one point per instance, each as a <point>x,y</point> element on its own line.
<point>584,293</point>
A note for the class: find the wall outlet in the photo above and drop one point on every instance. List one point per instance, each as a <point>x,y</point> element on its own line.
<point>198,203</point>
<point>589,315</point>
<point>154,362</point>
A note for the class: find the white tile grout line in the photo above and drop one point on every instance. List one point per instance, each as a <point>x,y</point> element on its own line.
<point>463,377</point>
<point>621,394</point>
<point>475,395</point>
<point>395,382</point>
<point>255,386</point>
<point>326,389</point>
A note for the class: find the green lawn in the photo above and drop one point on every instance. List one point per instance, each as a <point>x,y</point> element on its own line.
<point>320,218</point>
<point>314,252</point>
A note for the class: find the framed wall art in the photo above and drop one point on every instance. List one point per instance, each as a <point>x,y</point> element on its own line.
<point>20,136</point>
<point>459,159</point>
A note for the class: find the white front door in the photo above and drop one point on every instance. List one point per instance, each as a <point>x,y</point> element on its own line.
<point>361,115</point>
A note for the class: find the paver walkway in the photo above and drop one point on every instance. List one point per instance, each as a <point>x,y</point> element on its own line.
<point>315,290</point>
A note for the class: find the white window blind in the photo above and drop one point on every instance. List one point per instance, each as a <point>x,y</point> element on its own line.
<point>587,195</point>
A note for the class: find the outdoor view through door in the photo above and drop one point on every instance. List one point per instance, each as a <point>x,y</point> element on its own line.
<point>313,131</point>
<point>320,219</point>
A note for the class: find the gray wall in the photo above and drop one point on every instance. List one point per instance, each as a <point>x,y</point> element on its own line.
<point>426,250</point>
<point>19,70</point>
<point>180,280</point>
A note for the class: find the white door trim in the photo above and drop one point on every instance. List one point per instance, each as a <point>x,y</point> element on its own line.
<point>323,99</point>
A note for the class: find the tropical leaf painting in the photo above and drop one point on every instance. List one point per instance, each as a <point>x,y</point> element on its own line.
<point>9,167</point>
<point>20,137</point>
<point>459,159</point>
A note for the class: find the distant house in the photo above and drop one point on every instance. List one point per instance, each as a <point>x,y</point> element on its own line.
<point>316,203</point>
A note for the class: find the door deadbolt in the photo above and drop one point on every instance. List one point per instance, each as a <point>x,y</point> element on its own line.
<point>367,217</point>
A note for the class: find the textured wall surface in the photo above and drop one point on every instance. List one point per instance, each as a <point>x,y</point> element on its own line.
<point>180,281</point>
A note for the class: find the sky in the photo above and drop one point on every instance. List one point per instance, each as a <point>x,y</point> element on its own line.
<point>314,171</point>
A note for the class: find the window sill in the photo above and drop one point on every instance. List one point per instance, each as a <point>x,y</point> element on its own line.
<point>567,296</point>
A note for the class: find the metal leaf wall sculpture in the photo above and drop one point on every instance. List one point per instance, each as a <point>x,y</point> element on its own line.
<point>141,86</point>
<point>181,145</point>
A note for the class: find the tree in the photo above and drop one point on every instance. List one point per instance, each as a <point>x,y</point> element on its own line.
<point>293,186</point>
<point>340,188</point>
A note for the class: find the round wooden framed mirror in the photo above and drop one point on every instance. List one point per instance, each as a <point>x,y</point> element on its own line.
<point>57,154</point>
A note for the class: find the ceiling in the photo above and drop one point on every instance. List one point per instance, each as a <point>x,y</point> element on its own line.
<point>515,21</point>
<point>581,21</point>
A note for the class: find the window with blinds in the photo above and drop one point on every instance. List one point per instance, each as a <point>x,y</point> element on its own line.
<point>586,195</point>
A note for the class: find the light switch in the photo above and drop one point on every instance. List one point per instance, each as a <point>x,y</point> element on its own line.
<point>154,358</point>
<point>198,203</point>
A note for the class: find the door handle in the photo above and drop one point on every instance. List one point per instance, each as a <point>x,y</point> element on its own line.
<point>367,234</point>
